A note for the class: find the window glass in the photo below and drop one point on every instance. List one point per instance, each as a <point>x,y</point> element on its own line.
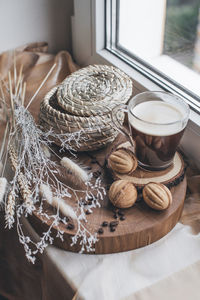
<point>165,34</point>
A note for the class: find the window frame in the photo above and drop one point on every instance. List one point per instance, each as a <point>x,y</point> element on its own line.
<point>89,47</point>
<point>163,81</point>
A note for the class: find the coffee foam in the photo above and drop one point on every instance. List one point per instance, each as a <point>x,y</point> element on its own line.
<point>159,113</point>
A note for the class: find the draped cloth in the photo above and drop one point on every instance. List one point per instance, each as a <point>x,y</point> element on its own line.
<point>167,269</point>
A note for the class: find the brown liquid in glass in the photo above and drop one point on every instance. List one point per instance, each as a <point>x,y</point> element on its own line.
<point>155,151</point>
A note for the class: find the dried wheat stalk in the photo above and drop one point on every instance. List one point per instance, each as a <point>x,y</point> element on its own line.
<point>35,173</point>
<point>10,209</point>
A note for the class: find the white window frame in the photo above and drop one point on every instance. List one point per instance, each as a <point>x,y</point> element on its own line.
<point>88,47</point>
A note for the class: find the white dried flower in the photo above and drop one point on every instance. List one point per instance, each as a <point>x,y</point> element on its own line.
<point>3,185</point>
<point>64,208</point>
<point>76,170</point>
<point>30,154</point>
<point>29,204</point>
<point>46,193</point>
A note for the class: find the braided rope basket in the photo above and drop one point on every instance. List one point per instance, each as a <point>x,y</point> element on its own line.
<point>84,101</point>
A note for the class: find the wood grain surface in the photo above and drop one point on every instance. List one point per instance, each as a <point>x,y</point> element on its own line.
<point>142,225</point>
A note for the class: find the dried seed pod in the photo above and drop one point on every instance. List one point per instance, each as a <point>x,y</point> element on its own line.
<point>122,161</point>
<point>157,196</point>
<point>122,193</point>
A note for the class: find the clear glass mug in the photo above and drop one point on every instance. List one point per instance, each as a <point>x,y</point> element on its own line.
<point>156,121</point>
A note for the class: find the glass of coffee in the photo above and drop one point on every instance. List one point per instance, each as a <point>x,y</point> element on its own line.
<point>156,122</point>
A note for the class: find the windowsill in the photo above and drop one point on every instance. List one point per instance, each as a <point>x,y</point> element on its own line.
<point>191,140</point>
<point>177,71</point>
<point>140,82</point>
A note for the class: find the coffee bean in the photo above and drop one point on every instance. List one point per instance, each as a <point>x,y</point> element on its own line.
<point>112,229</point>
<point>114,223</point>
<point>120,213</point>
<point>100,231</point>
<point>122,218</point>
<point>70,226</point>
<point>93,161</point>
<point>105,224</point>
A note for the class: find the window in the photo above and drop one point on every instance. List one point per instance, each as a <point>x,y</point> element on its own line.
<point>161,39</point>
<point>94,38</point>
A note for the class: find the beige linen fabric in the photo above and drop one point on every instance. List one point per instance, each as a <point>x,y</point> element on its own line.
<point>183,285</point>
<point>117,276</point>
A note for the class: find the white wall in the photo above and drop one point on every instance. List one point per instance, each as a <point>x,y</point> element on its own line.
<point>24,21</point>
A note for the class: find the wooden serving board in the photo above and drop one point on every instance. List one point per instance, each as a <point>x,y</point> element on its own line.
<point>142,225</point>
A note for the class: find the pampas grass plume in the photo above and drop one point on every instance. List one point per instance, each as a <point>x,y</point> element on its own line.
<point>46,193</point>
<point>76,170</point>
<point>64,208</point>
<point>46,151</point>
<point>3,185</point>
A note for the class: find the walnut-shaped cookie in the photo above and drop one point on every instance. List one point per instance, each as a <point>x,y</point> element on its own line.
<point>122,161</point>
<point>157,196</point>
<point>122,193</point>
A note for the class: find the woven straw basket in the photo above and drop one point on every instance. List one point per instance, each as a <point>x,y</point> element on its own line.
<point>84,101</point>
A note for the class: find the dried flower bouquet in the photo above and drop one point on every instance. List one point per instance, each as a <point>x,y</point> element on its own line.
<point>37,173</point>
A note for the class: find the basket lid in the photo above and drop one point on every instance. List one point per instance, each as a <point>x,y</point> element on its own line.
<point>94,90</point>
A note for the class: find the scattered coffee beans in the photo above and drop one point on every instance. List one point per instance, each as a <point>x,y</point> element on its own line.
<point>70,226</point>
<point>93,161</point>
<point>114,223</point>
<point>100,230</point>
<point>105,224</point>
<point>112,229</point>
<point>120,213</point>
